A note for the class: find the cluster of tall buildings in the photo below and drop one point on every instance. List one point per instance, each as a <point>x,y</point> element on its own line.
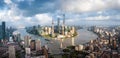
<point>12,45</point>
<point>59,30</point>
<point>34,49</point>
<point>27,48</point>
<point>107,45</point>
<point>5,32</point>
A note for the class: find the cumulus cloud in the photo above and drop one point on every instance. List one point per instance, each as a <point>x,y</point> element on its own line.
<point>44,18</point>
<point>98,18</point>
<point>8,1</point>
<point>21,13</point>
<point>22,21</point>
<point>89,5</point>
<point>10,12</point>
<point>14,16</point>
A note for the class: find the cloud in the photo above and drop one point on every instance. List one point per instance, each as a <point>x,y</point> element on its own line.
<point>79,6</point>
<point>15,16</point>
<point>8,1</point>
<point>19,20</point>
<point>98,18</point>
<point>44,18</point>
<point>21,13</point>
<point>34,7</point>
<point>10,12</point>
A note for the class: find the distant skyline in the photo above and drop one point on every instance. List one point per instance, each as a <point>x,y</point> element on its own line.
<point>22,13</point>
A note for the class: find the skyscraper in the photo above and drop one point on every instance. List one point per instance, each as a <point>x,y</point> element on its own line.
<point>38,45</point>
<point>12,52</point>
<point>32,45</point>
<point>58,25</point>
<point>3,30</point>
<point>28,53</point>
<point>52,26</point>
<point>16,36</point>
<point>63,26</point>
<point>27,40</point>
<point>63,19</point>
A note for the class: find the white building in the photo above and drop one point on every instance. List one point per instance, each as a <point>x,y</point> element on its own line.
<point>12,52</point>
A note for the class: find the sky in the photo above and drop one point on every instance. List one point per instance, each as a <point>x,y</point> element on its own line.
<point>21,13</point>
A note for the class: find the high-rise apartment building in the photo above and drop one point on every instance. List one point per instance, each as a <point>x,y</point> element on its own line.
<point>3,30</point>
<point>32,45</point>
<point>27,40</point>
<point>38,45</point>
<point>12,52</point>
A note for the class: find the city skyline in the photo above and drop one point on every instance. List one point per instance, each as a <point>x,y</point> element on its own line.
<point>20,13</point>
<point>59,28</point>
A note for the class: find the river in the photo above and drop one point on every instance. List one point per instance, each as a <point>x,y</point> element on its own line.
<point>54,45</point>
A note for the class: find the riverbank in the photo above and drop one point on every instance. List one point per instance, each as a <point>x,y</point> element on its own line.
<point>55,44</point>
<point>83,37</point>
<point>59,36</point>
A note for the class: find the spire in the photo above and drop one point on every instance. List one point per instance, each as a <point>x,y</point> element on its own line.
<point>58,26</point>
<point>63,27</point>
<point>52,22</point>
<point>63,19</point>
<point>52,27</point>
